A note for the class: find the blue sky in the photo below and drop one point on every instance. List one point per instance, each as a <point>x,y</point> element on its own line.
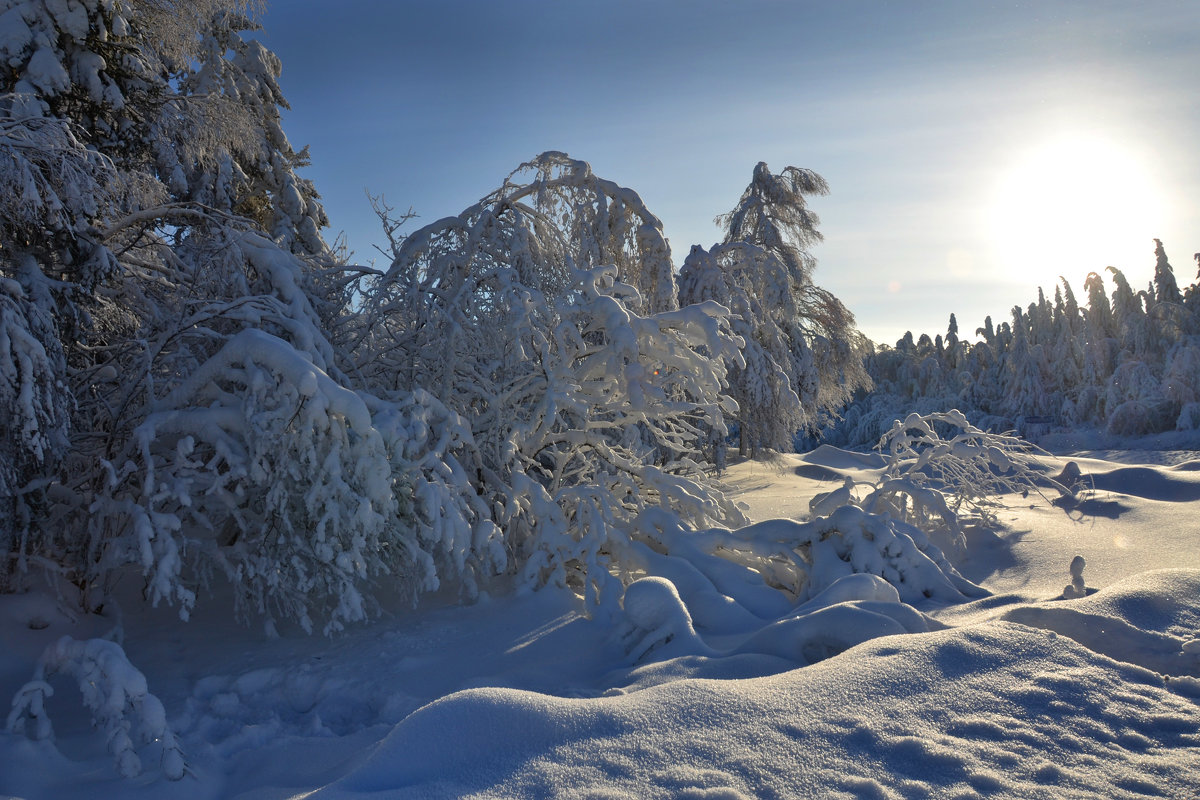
<point>959,138</point>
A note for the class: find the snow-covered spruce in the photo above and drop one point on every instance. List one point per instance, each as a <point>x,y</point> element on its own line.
<point>1124,362</point>
<point>34,412</point>
<point>802,354</point>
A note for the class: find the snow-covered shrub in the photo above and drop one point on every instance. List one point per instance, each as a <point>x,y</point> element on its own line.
<point>728,578</point>
<point>1134,400</point>
<point>262,467</point>
<point>1189,418</point>
<point>614,427</point>
<point>1181,376</point>
<point>115,693</point>
<point>946,453</point>
<point>1131,418</point>
<point>939,467</point>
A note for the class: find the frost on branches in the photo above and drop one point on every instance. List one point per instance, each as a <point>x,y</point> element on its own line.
<point>940,470</point>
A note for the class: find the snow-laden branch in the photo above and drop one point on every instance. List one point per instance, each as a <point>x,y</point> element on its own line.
<point>116,695</point>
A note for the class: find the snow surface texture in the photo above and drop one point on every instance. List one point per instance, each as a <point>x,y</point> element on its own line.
<point>852,689</point>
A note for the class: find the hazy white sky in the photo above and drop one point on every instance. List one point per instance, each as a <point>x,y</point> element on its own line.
<point>974,149</point>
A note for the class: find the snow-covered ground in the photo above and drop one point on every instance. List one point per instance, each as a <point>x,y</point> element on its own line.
<point>1015,694</point>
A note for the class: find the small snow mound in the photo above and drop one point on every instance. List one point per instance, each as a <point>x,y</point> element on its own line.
<point>1070,478</point>
<point>860,586</point>
<point>654,602</point>
<point>835,458</point>
<point>654,617</point>
<point>1148,620</point>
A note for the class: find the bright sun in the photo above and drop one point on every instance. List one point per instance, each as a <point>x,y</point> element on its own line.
<point>1074,205</point>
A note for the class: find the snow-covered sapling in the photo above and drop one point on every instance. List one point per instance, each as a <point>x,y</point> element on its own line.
<point>114,691</point>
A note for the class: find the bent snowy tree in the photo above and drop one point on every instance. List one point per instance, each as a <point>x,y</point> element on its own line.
<point>586,406</point>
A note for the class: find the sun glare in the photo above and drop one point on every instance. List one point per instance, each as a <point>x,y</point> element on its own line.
<point>1074,205</point>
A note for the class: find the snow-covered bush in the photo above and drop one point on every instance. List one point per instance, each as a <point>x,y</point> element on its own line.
<point>854,608</point>
<point>260,466</point>
<point>436,469</point>
<point>585,407</point>
<point>1181,375</point>
<point>940,467</point>
<point>1189,418</point>
<point>727,579</point>
<point>115,693</point>
<point>944,451</point>
<point>1133,399</point>
<point>612,424</point>
<point>1131,418</point>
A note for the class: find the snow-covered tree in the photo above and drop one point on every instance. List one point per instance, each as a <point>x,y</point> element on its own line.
<point>801,339</point>
<point>584,410</point>
<point>164,287</point>
<point>773,214</point>
<point>1126,364</point>
<point>1026,383</point>
<point>250,167</point>
<point>34,411</point>
<point>1166,290</point>
<point>751,283</point>
<point>53,190</point>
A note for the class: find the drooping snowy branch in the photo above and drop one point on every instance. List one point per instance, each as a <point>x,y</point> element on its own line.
<point>116,695</point>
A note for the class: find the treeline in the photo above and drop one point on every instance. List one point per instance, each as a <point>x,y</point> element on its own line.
<point>1126,362</point>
